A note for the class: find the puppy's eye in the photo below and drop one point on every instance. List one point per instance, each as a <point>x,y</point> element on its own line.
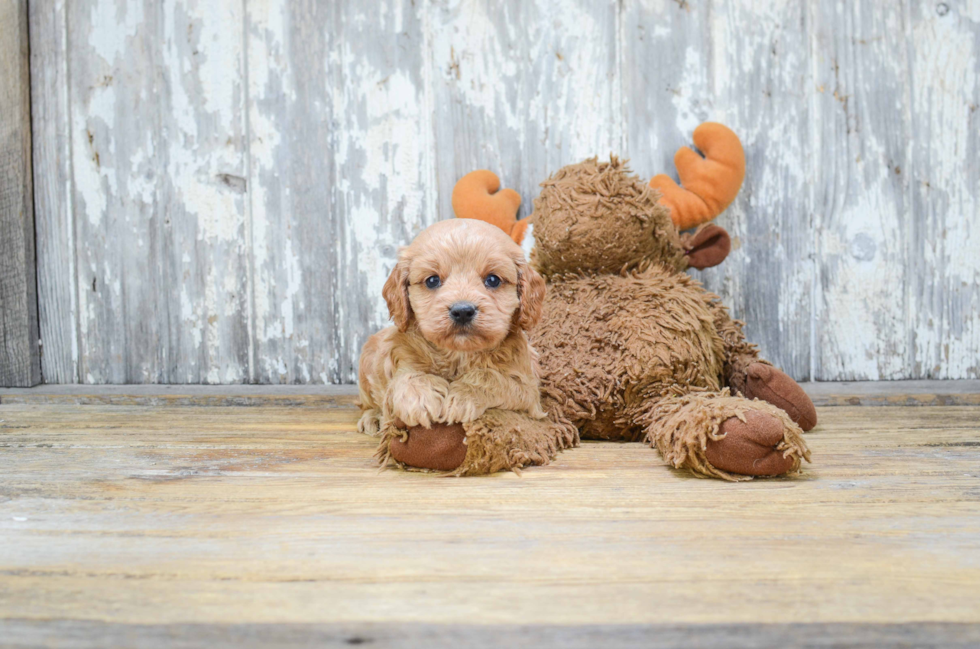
<point>433,282</point>
<point>491,281</point>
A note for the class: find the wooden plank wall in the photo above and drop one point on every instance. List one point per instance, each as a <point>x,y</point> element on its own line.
<point>20,358</point>
<point>223,185</point>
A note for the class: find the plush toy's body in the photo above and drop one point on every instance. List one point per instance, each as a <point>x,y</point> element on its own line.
<point>632,348</point>
<point>607,355</point>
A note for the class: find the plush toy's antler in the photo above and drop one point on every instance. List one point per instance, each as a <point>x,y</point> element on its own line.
<point>475,196</point>
<point>710,183</point>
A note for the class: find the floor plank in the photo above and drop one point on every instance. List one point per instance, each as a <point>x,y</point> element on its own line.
<point>96,635</point>
<point>162,515</point>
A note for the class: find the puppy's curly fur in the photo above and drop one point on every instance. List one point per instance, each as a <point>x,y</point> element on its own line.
<point>429,368</point>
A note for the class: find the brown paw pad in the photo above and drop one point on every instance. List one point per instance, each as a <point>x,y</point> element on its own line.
<point>774,386</point>
<point>440,447</point>
<point>749,447</point>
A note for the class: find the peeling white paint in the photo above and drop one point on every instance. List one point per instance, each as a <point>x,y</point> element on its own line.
<point>93,124</point>
<point>686,98</point>
<point>114,25</point>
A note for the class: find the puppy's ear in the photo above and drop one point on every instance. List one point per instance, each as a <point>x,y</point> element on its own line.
<point>395,293</point>
<point>530,290</point>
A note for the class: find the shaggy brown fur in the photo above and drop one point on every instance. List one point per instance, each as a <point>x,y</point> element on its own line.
<point>631,347</point>
<point>597,222</point>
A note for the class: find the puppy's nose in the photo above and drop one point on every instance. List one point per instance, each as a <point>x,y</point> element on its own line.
<point>462,312</point>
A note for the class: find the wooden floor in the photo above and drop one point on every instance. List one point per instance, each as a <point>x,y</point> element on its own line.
<point>127,525</point>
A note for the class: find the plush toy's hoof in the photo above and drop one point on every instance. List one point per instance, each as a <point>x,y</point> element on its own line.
<point>750,447</point>
<point>440,447</point>
<point>769,384</point>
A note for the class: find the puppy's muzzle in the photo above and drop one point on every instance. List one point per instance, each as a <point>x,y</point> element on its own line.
<point>462,313</point>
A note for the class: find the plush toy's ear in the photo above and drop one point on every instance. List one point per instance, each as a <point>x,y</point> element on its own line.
<point>710,183</point>
<point>475,196</point>
<point>707,247</point>
<point>395,293</point>
<point>519,231</point>
<point>530,290</point>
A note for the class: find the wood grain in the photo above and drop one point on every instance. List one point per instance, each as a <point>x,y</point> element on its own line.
<point>54,216</point>
<point>238,195</point>
<point>218,516</point>
<point>19,353</point>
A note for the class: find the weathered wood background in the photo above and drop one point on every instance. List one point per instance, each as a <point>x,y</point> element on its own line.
<point>221,187</point>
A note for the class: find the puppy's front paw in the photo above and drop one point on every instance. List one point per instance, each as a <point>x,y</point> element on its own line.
<point>423,413</point>
<point>462,405</point>
<point>418,406</point>
<point>369,423</point>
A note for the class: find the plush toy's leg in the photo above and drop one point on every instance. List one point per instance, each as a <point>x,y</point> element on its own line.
<point>748,375</point>
<point>718,435</point>
<point>498,440</point>
<point>739,353</point>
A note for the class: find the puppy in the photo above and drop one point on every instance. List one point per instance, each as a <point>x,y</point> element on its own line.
<point>461,297</point>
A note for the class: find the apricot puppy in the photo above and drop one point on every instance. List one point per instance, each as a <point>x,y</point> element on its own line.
<point>461,296</point>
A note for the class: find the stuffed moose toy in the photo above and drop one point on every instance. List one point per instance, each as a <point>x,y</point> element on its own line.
<point>629,346</point>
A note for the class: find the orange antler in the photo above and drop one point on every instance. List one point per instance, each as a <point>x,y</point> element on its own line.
<point>475,196</point>
<point>710,183</point>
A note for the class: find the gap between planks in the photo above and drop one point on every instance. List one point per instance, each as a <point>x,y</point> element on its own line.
<point>856,393</point>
